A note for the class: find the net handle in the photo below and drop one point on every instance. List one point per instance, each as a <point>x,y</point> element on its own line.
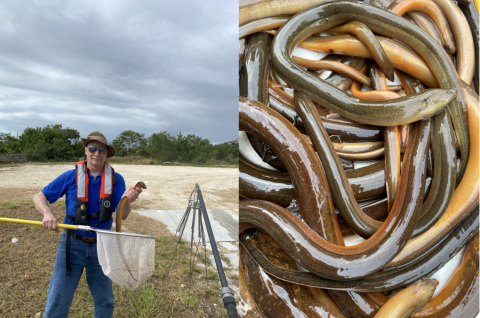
<point>60,225</point>
<point>75,227</point>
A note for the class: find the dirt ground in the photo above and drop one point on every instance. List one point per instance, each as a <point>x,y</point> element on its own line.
<point>171,292</point>
<point>168,187</point>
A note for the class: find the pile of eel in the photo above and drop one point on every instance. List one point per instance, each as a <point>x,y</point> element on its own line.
<point>395,92</point>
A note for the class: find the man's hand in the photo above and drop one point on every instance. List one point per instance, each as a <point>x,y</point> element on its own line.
<point>50,222</point>
<point>132,194</point>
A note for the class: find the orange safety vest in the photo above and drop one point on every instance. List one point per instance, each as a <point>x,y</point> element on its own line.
<point>106,195</point>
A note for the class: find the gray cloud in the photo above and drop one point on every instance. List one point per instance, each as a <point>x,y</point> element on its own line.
<point>147,66</point>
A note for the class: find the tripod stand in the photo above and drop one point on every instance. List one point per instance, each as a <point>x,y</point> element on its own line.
<point>194,207</point>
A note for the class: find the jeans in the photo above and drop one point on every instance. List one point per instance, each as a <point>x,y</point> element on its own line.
<point>62,287</point>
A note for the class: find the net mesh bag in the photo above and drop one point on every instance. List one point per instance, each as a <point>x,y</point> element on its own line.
<point>127,260</point>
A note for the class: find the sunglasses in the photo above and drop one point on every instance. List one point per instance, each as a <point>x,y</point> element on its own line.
<point>101,150</point>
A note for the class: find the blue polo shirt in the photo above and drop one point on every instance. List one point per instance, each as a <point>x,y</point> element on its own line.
<point>65,185</point>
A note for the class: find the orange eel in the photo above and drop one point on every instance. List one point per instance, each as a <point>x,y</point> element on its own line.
<point>268,8</point>
<point>433,11</point>
<point>365,35</point>
<point>401,56</point>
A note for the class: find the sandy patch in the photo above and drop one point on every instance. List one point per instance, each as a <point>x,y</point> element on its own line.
<point>168,187</point>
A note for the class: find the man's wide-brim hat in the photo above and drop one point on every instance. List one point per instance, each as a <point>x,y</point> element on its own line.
<point>98,136</point>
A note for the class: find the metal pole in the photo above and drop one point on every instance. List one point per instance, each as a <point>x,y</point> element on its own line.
<point>193,227</point>
<point>199,222</point>
<point>227,293</point>
<point>200,228</point>
<point>183,223</point>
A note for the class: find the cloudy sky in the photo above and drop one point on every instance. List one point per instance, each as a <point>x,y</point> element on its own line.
<point>116,65</point>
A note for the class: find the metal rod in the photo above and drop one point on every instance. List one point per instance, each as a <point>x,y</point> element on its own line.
<point>183,223</point>
<point>193,228</point>
<point>227,293</point>
<point>185,215</point>
<point>199,223</point>
<point>201,231</point>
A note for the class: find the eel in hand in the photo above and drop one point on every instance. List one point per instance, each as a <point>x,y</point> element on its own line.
<point>118,226</point>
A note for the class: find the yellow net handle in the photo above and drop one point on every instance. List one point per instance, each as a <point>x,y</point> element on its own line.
<point>60,225</point>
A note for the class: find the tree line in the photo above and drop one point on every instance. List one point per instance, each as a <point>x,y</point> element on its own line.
<point>55,143</point>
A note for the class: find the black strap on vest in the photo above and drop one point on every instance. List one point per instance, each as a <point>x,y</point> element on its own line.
<point>67,256</point>
<point>69,267</point>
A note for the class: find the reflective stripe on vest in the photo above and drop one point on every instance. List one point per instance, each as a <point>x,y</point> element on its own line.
<point>107,184</point>
<point>82,184</point>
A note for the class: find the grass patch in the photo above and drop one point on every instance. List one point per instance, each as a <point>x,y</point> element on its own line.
<point>37,262</point>
<point>212,275</point>
<point>191,301</point>
<point>147,302</point>
<point>14,204</point>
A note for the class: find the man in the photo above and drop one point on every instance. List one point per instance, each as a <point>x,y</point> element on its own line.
<point>92,203</point>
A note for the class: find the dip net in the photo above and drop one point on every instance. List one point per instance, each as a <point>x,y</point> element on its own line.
<point>128,259</point>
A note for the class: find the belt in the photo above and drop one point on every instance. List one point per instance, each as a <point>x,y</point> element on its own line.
<point>91,240</point>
